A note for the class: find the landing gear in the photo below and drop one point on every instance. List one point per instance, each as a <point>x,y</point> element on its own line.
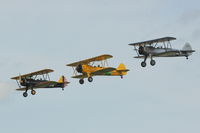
<point>187,57</point>
<point>25,94</point>
<point>152,62</point>
<point>81,81</point>
<point>90,79</point>
<point>143,64</point>
<point>33,92</point>
<point>121,76</point>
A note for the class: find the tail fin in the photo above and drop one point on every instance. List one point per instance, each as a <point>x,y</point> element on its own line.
<point>121,67</point>
<point>63,81</point>
<point>122,70</point>
<point>187,47</point>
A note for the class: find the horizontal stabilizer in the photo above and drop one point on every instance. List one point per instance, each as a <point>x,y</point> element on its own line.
<point>125,70</point>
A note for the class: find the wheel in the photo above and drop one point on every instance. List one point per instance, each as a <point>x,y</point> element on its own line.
<point>81,81</point>
<point>143,64</point>
<point>25,94</point>
<point>90,79</point>
<point>121,76</point>
<point>152,62</point>
<point>33,92</point>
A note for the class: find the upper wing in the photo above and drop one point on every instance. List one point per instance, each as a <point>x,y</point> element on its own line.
<point>87,61</point>
<point>41,72</point>
<point>164,39</point>
<point>103,71</point>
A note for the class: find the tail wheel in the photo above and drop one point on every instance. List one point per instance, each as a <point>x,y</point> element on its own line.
<point>90,79</point>
<point>152,62</point>
<point>143,64</point>
<point>81,81</point>
<point>25,94</point>
<point>33,92</point>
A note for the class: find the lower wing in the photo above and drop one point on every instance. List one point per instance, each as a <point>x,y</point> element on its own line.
<point>21,89</point>
<point>79,76</point>
<point>164,54</point>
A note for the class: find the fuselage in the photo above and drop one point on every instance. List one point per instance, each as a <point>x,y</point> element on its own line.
<point>163,52</point>
<point>40,83</point>
<point>88,70</point>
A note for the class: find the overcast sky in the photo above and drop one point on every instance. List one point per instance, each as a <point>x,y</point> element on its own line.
<point>38,34</point>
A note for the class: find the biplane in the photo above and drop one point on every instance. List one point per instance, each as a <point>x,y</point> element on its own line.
<point>39,79</point>
<point>159,48</point>
<point>88,69</point>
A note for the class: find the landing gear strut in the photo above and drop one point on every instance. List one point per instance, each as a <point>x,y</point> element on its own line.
<point>143,64</point>
<point>81,81</point>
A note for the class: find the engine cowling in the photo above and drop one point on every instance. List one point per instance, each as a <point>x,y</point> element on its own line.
<point>79,69</point>
<point>23,82</point>
<point>141,50</point>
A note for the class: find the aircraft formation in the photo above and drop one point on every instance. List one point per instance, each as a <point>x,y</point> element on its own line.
<point>86,69</point>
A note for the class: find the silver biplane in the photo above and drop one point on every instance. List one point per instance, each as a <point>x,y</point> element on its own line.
<point>159,48</point>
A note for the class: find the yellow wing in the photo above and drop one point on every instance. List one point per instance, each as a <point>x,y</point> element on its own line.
<point>41,72</point>
<point>96,73</point>
<point>87,61</point>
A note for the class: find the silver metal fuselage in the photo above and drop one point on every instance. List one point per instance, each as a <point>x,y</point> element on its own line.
<point>165,52</point>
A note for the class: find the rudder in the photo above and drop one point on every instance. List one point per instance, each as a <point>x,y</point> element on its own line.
<point>187,47</point>
<point>121,67</point>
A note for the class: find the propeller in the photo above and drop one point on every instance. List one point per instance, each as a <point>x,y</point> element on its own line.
<point>141,50</point>
<point>20,79</point>
<point>79,68</point>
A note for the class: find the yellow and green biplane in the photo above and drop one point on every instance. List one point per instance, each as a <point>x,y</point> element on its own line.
<point>39,79</point>
<point>89,70</point>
